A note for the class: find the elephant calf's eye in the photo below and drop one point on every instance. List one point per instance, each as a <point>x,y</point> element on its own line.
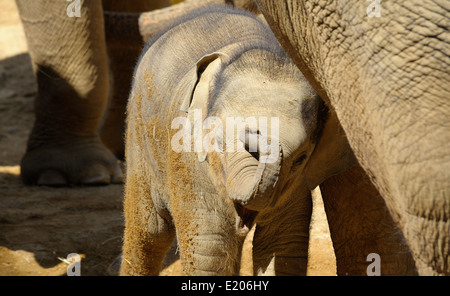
<point>298,162</point>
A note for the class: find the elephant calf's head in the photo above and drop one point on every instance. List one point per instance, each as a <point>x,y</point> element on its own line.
<point>258,112</point>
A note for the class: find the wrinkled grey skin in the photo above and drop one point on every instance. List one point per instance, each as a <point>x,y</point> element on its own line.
<point>70,60</point>
<point>78,132</point>
<point>386,78</point>
<point>209,200</point>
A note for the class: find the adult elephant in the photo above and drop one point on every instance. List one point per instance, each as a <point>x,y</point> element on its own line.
<point>70,60</point>
<point>383,70</point>
<point>72,141</point>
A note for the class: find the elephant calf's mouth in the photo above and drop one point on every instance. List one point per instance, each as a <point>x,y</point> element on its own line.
<point>244,219</point>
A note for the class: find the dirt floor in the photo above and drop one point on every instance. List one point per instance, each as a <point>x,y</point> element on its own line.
<point>40,226</point>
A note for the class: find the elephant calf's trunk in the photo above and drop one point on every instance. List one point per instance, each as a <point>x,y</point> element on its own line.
<point>254,191</point>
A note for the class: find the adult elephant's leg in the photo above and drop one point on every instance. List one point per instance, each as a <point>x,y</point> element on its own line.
<point>280,242</point>
<point>123,56</point>
<point>69,60</point>
<point>360,224</point>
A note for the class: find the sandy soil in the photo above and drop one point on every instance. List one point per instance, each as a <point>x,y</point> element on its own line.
<point>40,226</point>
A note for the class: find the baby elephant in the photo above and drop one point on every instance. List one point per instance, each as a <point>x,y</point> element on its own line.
<point>221,125</point>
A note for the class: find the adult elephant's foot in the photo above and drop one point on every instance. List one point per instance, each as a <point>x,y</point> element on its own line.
<point>66,162</point>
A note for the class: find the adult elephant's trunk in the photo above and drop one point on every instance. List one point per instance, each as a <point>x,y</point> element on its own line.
<point>251,177</point>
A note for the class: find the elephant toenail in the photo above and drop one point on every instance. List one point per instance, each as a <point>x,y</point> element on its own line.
<point>51,178</point>
<point>96,174</point>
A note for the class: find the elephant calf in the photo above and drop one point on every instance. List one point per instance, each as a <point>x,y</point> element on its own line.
<point>221,125</point>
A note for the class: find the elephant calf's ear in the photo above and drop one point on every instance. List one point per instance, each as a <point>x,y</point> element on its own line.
<point>195,75</point>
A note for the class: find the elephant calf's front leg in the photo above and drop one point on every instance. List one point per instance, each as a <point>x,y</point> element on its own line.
<point>209,243</point>
<point>144,249</point>
<point>149,231</point>
<point>280,242</point>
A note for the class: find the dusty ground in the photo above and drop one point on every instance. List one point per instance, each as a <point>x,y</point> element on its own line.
<point>40,226</point>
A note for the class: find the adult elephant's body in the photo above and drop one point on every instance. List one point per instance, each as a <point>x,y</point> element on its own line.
<point>387,80</point>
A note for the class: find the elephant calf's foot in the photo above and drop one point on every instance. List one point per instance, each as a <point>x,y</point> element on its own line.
<point>79,161</point>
